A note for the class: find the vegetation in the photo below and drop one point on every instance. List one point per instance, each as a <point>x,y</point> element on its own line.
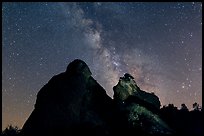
<point>11,131</point>
<point>182,121</point>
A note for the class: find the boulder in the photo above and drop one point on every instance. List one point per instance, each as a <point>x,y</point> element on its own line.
<point>70,103</point>
<point>127,87</point>
<point>140,109</point>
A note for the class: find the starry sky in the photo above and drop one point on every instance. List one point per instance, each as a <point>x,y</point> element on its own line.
<point>159,44</point>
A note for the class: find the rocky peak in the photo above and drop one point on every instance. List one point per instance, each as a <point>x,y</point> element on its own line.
<point>139,107</point>
<point>127,88</point>
<point>71,102</point>
<point>78,67</point>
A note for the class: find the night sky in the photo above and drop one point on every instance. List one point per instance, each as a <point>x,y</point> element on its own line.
<point>159,44</point>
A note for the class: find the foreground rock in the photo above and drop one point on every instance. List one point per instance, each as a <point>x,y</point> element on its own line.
<point>70,103</point>
<point>141,109</point>
<point>73,103</point>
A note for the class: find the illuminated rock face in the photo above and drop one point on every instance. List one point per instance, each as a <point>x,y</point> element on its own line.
<point>145,120</point>
<point>127,87</point>
<point>140,108</point>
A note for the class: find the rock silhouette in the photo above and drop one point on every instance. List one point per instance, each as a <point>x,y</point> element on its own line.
<point>127,87</point>
<point>73,103</point>
<point>69,103</point>
<point>141,109</point>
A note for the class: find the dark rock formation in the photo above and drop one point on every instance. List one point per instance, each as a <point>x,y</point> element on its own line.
<point>73,103</point>
<point>141,109</point>
<point>70,103</point>
<point>127,87</point>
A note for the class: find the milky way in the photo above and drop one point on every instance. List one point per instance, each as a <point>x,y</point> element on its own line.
<point>159,44</point>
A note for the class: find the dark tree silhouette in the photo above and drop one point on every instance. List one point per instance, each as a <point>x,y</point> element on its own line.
<point>184,107</point>
<point>196,106</point>
<point>183,121</point>
<point>11,131</point>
